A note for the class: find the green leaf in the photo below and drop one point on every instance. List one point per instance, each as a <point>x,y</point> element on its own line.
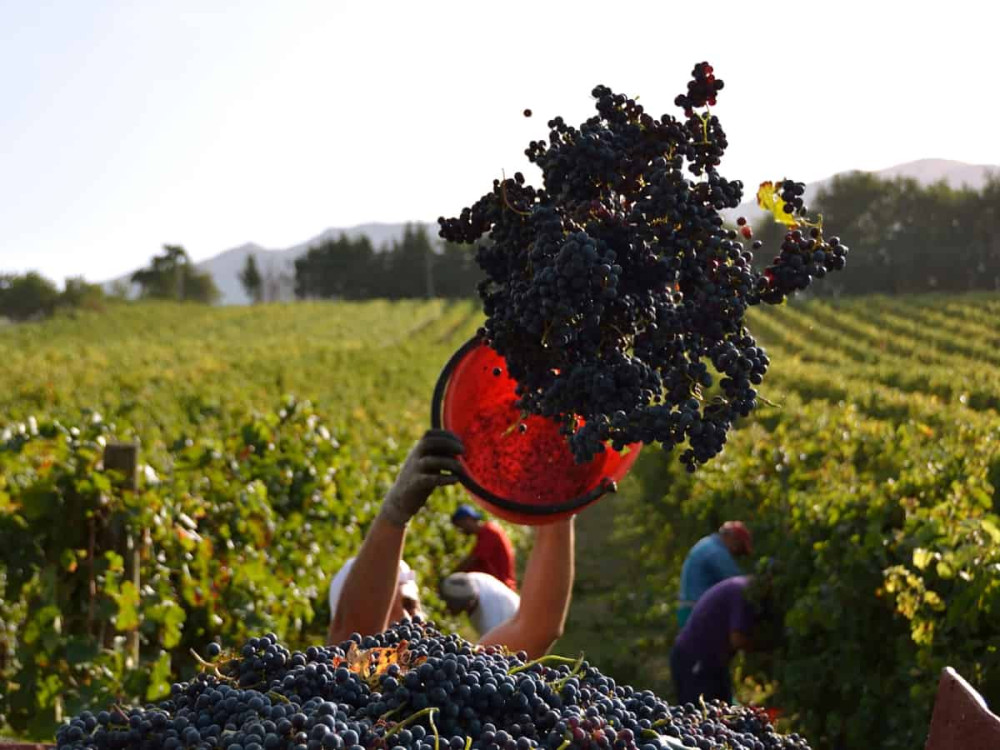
<point>127,599</point>
<point>991,528</point>
<point>159,678</point>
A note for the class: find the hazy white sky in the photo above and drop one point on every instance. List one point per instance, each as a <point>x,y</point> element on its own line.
<point>126,125</point>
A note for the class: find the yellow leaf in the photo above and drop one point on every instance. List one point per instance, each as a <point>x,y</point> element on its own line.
<point>370,664</point>
<point>922,557</point>
<point>923,633</point>
<point>931,598</point>
<point>770,200</point>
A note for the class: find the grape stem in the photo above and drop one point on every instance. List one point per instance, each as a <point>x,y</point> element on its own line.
<point>209,666</point>
<point>429,712</point>
<point>437,738</point>
<point>558,684</point>
<point>768,402</point>
<point>503,193</point>
<point>704,127</point>
<point>546,660</point>
<point>387,714</point>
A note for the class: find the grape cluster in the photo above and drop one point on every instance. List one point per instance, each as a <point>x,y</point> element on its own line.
<point>802,258</point>
<point>412,688</point>
<point>616,293</point>
<point>791,193</point>
<point>701,89</point>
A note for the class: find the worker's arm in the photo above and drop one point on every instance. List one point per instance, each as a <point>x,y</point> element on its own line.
<point>370,586</point>
<point>366,599</point>
<point>545,594</point>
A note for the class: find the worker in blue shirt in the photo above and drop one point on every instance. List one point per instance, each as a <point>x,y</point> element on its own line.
<point>710,561</point>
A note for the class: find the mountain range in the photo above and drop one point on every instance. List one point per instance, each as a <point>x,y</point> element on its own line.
<point>277,264</point>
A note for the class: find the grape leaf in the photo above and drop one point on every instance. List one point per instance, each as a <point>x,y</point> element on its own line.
<point>370,664</point>
<point>922,557</point>
<point>770,200</point>
<point>992,529</point>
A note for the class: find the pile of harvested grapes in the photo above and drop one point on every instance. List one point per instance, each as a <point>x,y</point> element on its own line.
<point>412,688</point>
<point>617,293</point>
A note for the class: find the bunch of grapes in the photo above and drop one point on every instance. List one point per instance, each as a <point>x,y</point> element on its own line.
<point>412,688</point>
<point>616,293</point>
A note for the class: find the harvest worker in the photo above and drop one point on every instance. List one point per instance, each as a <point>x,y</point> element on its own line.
<point>722,622</point>
<point>493,553</point>
<point>712,560</point>
<point>371,588</point>
<point>487,601</point>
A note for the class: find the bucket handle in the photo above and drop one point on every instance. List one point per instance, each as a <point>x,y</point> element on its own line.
<point>606,485</point>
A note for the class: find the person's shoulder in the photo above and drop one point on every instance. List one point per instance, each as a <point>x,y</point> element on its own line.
<point>735,582</point>
<point>726,587</point>
<point>484,580</point>
<point>732,588</point>
<point>490,583</point>
<point>704,546</point>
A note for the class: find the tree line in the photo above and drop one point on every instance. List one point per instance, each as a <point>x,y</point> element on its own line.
<point>170,275</point>
<point>904,238</point>
<point>413,266</point>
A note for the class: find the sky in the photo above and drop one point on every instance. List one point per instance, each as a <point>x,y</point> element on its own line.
<point>128,125</point>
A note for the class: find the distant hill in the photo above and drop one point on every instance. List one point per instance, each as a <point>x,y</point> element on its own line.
<point>277,264</point>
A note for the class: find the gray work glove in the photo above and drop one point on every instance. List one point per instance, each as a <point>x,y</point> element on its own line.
<point>423,471</point>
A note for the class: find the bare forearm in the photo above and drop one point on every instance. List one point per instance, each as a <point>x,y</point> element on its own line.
<point>367,596</point>
<point>545,594</point>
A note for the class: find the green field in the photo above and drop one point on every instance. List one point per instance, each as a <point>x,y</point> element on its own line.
<point>870,474</point>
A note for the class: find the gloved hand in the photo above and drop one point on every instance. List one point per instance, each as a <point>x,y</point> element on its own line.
<point>423,471</point>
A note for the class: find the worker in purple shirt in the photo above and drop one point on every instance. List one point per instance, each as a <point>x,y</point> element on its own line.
<point>722,622</point>
<point>711,560</point>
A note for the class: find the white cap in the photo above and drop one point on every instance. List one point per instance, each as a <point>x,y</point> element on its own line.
<point>406,580</point>
<point>459,590</point>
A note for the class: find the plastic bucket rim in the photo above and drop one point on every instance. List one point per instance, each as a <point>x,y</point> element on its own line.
<point>511,506</point>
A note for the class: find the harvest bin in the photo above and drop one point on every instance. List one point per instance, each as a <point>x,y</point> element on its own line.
<point>961,720</point>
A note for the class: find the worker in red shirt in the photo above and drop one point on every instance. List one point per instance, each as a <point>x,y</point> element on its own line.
<point>493,553</point>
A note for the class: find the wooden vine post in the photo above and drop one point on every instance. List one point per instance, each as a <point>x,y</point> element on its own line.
<point>124,459</point>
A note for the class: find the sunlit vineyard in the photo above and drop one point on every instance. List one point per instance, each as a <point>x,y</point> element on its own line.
<point>268,436</point>
<point>271,432</point>
<point>872,477</point>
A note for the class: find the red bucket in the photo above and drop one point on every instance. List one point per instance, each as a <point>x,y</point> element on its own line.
<point>518,469</point>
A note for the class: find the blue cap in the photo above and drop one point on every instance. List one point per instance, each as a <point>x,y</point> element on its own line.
<point>466,511</point>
